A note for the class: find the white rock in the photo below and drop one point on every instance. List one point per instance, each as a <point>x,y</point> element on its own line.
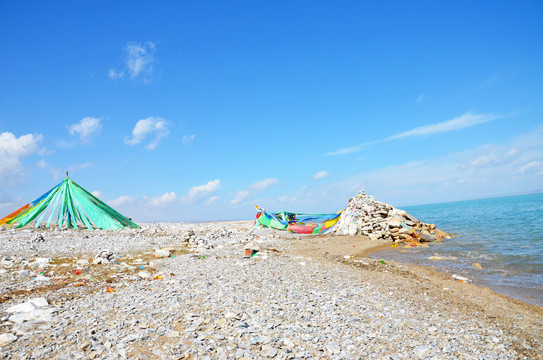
<point>7,338</point>
<point>173,334</point>
<point>36,315</point>
<point>162,253</point>
<point>288,344</point>
<point>82,262</point>
<point>28,306</point>
<point>421,350</point>
<point>7,263</point>
<point>21,308</point>
<point>40,263</point>
<point>144,275</point>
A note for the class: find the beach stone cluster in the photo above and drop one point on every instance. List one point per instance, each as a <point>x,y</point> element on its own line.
<point>156,298</point>
<point>366,216</point>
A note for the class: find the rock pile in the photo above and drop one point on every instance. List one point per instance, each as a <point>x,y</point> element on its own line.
<point>104,257</point>
<point>366,216</point>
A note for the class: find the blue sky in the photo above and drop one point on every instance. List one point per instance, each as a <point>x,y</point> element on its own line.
<point>191,111</point>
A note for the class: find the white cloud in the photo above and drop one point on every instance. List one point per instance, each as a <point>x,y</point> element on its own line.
<point>459,122</point>
<point>420,98</point>
<point>140,59</point>
<point>115,75</point>
<point>321,175</point>
<point>139,62</point>
<point>348,150</point>
<point>163,200</point>
<point>12,150</point>
<point>42,164</point>
<point>533,165</point>
<point>240,196</point>
<point>211,200</point>
<point>98,194</point>
<point>56,173</point>
<point>263,184</point>
<point>86,127</point>
<point>86,165</point>
<point>121,200</point>
<point>188,139</point>
<point>253,189</point>
<point>205,189</point>
<point>23,146</point>
<point>152,126</point>
<point>487,170</point>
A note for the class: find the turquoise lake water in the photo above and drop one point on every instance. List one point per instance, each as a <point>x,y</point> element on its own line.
<point>504,235</point>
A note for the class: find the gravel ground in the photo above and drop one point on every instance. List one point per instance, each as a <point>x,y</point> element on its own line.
<point>199,298</point>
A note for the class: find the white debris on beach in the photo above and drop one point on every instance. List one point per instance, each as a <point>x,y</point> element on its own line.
<point>199,298</point>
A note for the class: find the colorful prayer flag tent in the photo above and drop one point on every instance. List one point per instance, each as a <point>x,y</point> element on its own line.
<point>72,205</point>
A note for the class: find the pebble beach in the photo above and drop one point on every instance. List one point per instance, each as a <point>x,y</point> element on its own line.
<point>188,291</point>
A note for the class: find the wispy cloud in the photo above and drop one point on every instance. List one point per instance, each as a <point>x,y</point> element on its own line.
<point>98,194</point>
<point>155,127</point>
<point>201,191</point>
<point>321,175</point>
<point>263,184</point>
<point>211,200</point>
<point>86,165</point>
<point>115,75</point>
<point>55,173</point>
<point>253,189</point>
<point>187,139</point>
<point>460,122</point>
<point>163,200</point>
<point>240,196</point>
<point>86,128</point>
<point>140,60</point>
<point>531,166</point>
<point>487,170</point>
<point>420,98</point>
<point>349,150</point>
<point>121,200</point>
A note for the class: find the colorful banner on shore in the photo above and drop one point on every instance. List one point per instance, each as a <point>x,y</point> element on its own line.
<point>299,223</point>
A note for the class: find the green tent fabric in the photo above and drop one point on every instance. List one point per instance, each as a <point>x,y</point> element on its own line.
<point>73,206</point>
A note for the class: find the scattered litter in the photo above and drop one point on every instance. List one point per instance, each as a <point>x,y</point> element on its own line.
<point>461,279</point>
